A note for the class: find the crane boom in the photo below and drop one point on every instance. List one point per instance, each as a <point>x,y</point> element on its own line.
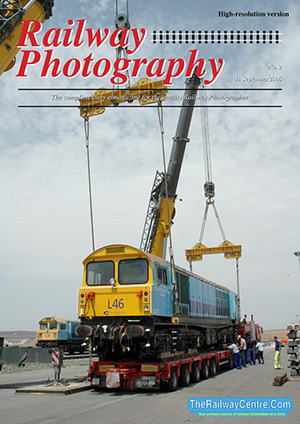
<point>156,227</point>
<point>12,12</point>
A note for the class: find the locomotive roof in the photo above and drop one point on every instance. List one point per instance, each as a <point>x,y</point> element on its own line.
<point>204,279</point>
<point>58,320</point>
<point>112,249</point>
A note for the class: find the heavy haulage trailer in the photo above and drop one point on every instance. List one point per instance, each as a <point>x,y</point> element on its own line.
<point>166,375</point>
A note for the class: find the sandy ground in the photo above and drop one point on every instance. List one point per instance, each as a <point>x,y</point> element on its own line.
<point>269,334</point>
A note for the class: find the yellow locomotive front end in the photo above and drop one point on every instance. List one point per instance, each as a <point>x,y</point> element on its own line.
<point>117,281</point>
<point>48,332</point>
<point>115,301</point>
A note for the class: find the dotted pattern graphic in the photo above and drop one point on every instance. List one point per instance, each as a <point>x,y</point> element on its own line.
<point>215,37</point>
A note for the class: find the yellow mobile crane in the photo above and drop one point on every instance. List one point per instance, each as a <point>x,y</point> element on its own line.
<point>12,12</point>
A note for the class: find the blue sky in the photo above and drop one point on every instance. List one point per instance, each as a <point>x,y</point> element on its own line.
<point>45,231</point>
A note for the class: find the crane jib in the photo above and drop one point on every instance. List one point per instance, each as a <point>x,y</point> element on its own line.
<point>161,208</point>
<point>181,136</point>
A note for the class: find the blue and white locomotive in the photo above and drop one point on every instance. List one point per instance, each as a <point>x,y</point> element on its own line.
<point>126,303</point>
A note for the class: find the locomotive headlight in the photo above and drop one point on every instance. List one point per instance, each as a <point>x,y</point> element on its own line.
<point>146,307</point>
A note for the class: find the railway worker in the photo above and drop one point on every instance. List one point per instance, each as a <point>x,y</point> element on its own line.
<point>277,357</point>
<point>250,353</point>
<point>236,355</point>
<point>243,349</point>
<point>260,352</point>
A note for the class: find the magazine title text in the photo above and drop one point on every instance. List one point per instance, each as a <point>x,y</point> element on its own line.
<point>31,43</point>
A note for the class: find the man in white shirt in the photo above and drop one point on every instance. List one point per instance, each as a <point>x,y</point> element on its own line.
<point>260,352</point>
<point>236,356</point>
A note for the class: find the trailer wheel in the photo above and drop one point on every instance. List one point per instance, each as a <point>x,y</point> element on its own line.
<point>212,368</point>
<point>172,383</point>
<point>195,374</point>
<point>204,370</point>
<point>185,376</point>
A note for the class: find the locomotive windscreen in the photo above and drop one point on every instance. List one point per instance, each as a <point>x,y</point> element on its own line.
<point>99,273</point>
<point>133,271</point>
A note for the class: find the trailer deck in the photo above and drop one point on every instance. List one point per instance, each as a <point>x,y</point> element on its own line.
<point>167,374</point>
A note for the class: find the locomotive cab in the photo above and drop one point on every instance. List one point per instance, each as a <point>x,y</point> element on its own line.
<point>122,281</point>
<point>124,291</point>
<point>49,331</point>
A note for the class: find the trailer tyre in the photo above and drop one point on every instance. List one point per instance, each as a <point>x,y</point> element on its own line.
<point>172,383</point>
<point>185,376</point>
<point>204,370</point>
<point>195,374</point>
<point>212,368</point>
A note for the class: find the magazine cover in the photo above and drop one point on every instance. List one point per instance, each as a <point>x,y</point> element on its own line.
<point>149,186</point>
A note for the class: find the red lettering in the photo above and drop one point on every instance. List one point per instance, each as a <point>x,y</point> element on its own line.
<point>178,72</point>
<point>26,32</point>
<point>68,32</point>
<point>67,65</point>
<point>48,62</point>
<point>159,72</point>
<point>193,62</point>
<point>107,67</point>
<point>138,41</point>
<point>25,61</point>
<point>97,36</point>
<point>87,61</point>
<point>119,38</point>
<point>78,41</point>
<point>120,65</point>
<point>215,71</point>
<point>136,67</point>
<point>55,42</point>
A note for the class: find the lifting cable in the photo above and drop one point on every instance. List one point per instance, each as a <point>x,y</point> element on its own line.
<point>171,252</point>
<point>122,22</point>
<point>209,186</point>
<point>209,191</point>
<point>87,145</point>
<point>117,8</point>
